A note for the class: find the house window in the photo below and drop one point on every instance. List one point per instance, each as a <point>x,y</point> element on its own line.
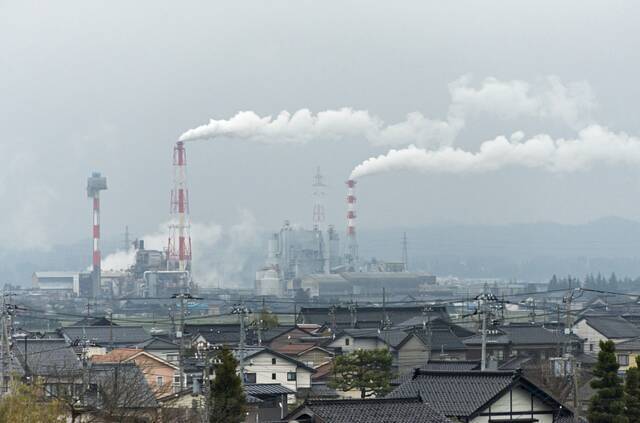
<point>159,381</point>
<point>590,347</point>
<point>250,377</point>
<point>291,376</point>
<point>346,341</point>
<point>273,376</point>
<point>623,359</point>
<point>176,380</point>
<point>273,361</point>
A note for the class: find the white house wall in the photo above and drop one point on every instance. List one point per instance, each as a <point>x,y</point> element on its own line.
<point>519,402</point>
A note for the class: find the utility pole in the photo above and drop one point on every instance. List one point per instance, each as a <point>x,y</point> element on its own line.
<point>483,300</point>
<point>241,310</point>
<point>386,323</point>
<point>353,311</point>
<point>573,365</point>
<point>405,254</point>
<point>179,334</point>
<point>426,325</point>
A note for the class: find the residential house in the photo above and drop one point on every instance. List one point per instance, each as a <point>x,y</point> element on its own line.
<point>265,366</point>
<point>516,339</point>
<point>387,410</point>
<point>162,348</point>
<point>120,392</point>
<point>480,397</point>
<point>162,376</point>
<point>627,353</point>
<point>595,328</point>
<point>342,317</point>
<point>265,403</point>
<point>53,361</point>
<point>105,338</point>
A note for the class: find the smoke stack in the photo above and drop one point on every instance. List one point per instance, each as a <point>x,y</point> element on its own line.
<point>95,184</point>
<point>179,247</point>
<point>318,200</point>
<point>352,242</point>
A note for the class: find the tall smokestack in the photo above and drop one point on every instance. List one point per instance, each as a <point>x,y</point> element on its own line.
<point>318,200</point>
<point>179,248</point>
<point>95,184</point>
<point>352,242</point>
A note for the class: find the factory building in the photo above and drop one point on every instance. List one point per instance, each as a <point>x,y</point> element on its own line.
<point>365,284</point>
<point>295,252</point>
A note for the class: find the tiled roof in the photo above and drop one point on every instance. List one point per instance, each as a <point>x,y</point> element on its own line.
<point>463,394</point>
<point>452,365</point>
<point>258,389</point>
<point>155,343</point>
<point>393,337</point>
<point>613,327</point>
<point>367,316</point>
<point>104,335</point>
<point>254,351</point>
<point>442,339</point>
<point>457,394</point>
<point>387,410</point>
<point>630,345</point>
<point>322,371</point>
<point>48,357</point>
<point>132,388</point>
<point>524,334</point>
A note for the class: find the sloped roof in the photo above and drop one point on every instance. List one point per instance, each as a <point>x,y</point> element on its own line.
<point>392,337</point>
<point>48,357</point>
<point>102,335</point>
<point>526,334</point>
<point>120,355</point>
<point>453,365</point>
<point>455,393</point>
<point>612,327</point>
<point>258,389</point>
<point>252,352</point>
<point>387,410</point>
<point>630,345</point>
<point>441,339</point>
<point>463,393</point>
<point>155,343</point>
<point>133,391</point>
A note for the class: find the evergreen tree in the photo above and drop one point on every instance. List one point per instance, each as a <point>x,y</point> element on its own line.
<point>607,404</point>
<point>632,394</point>
<point>613,282</point>
<point>226,398</point>
<point>368,371</point>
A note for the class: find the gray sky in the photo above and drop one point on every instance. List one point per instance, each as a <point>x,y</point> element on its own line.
<point>111,85</point>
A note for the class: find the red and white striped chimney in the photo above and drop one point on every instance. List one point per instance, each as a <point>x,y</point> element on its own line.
<point>352,242</point>
<point>179,248</point>
<point>95,184</point>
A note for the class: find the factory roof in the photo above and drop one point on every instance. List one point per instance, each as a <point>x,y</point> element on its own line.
<point>56,274</point>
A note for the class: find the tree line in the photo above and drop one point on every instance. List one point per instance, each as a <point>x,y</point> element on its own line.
<point>594,281</point>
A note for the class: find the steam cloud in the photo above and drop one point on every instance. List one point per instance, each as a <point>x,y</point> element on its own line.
<point>594,145</point>
<point>548,99</point>
<point>221,256</point>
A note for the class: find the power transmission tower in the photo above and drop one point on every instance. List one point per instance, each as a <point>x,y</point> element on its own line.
<point>405,254</point>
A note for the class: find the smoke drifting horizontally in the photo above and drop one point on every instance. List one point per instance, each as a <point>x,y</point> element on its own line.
<point>594,145</point>
<point>548,99</point>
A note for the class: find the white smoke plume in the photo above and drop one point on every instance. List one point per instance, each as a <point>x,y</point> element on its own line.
<point>221,256</point>
<point>594,145</point>
<point>506,99</point>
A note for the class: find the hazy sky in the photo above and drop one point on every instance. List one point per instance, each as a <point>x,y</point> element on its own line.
<point>110,86</point>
